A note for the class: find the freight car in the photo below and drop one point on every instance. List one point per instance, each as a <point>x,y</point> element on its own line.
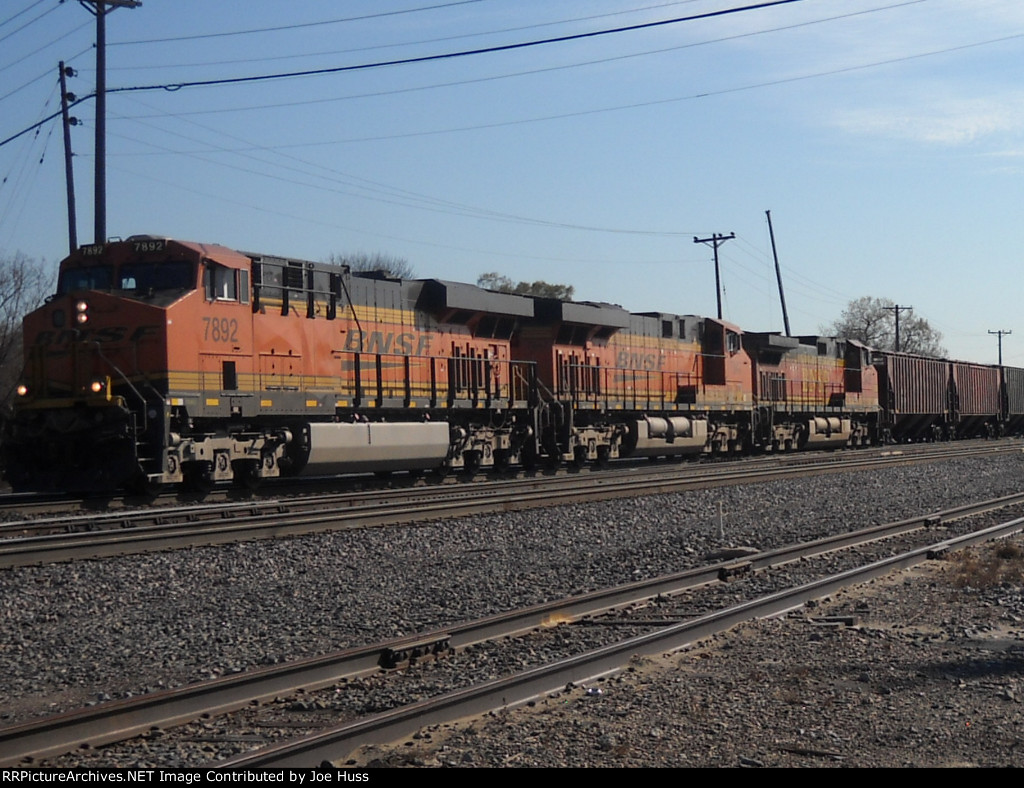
<point>163,362</point>
<point>936,399</point>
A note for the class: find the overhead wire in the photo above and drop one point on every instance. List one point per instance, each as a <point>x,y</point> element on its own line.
<point>19,61</point>
<point>220,197</point>
<point>455,55</point>
<point>450,55</point>
<point>546,69</point>
<point>581,113</point>
<point>16,185</point>
<point>29,23</point>
<point>590,34</point>
<point>24,10</point>
<point>829,73</point>
<point>43,75</point>
<point>420,42</point>
<point>469,210</point>
<point>378,192</point>
<point>298,25</point>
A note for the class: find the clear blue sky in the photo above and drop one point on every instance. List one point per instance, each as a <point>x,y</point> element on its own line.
<point>886,138</point>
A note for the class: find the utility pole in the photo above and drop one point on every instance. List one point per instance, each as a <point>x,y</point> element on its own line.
<point>715,241</point>
<point>69,172</point>
<point>896,310</point>
<point>1001,334</point>
<point>778,274</point>
<point>100,9</point>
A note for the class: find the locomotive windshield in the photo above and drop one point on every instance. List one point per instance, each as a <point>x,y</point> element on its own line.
<point>146,276</point>
<point>138,277</point>
<point>95,277</point>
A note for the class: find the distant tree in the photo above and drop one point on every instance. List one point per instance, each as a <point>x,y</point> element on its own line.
<point>24,284</point>
<point>873,322</point>
<point>398,267</point>
<point>502,284</point>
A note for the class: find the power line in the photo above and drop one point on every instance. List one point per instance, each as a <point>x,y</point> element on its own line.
<point>21,60</point>
<point>408,61</point>
<point>42,76</point>
<point>1001,334</point>
<point>420,42</point>
<point>715,241</point>
<point>581,113</point>
<point>460,54</point>
<point>28,23</point>
<point>24,10</point>
<point>392,195</point>
<point>299,25</point>
<point>535,71</point>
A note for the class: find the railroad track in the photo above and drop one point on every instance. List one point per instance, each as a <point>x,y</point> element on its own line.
<point>337,744</point>
<point>15,507</point>
<point>42,541</point>
<point>118,720</point>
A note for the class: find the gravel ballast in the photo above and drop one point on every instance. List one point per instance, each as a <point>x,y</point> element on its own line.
<point>929,674</point>
<point>77,633</point>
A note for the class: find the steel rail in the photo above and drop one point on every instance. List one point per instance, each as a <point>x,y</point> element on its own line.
<point>338,743</point>
<point>278,522</point>
<point>118,720</point>
<point>214,510</point>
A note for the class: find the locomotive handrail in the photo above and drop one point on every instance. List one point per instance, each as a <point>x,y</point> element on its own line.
<point>129,384</point>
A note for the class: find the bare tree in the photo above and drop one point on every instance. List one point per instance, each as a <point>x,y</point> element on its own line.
<point>873,322</point>
<point>24,284</point>
<point>398,267</point>
<point>502,284</point>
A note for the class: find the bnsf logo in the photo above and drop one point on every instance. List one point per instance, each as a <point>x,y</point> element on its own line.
<point>385,342</point>
<point>100,334</point>
<point>644,361</point>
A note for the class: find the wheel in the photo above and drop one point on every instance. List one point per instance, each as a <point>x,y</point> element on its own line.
<point>199,477</point>
<point>604,455</point>
<point>145,486</point>
<point>246,474</point>
<point>471,460</point>
<point>501,460</point>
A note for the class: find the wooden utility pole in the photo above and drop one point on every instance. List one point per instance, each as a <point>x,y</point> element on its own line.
<point>100,9</point>
<point>896,310</point>
<point>1000,334</point>
<point>778,275</point>
<point>715,241</point>
<point>69,171</point>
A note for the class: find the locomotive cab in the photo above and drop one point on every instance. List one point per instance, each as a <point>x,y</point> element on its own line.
<point>94,409</point>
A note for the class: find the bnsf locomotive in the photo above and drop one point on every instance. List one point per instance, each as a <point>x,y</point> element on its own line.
<point>162,362</point>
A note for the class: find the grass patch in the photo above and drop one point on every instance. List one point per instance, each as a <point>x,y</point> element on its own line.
<point>1003,565</point>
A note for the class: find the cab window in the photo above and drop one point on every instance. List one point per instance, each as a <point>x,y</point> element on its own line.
<point>95,277</point>
<point>220,283</point>
<point>175,275</point>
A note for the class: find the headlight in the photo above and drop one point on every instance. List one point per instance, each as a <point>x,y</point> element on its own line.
<point>22,390</point>
<point>98,385</point>
<point>82,312</point>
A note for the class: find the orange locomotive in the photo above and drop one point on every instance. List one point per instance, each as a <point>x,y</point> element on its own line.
<point>161,361</point>
<point>656,384</point>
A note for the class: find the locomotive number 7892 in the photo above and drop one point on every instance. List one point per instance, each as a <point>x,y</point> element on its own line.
<point>220,329</point>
